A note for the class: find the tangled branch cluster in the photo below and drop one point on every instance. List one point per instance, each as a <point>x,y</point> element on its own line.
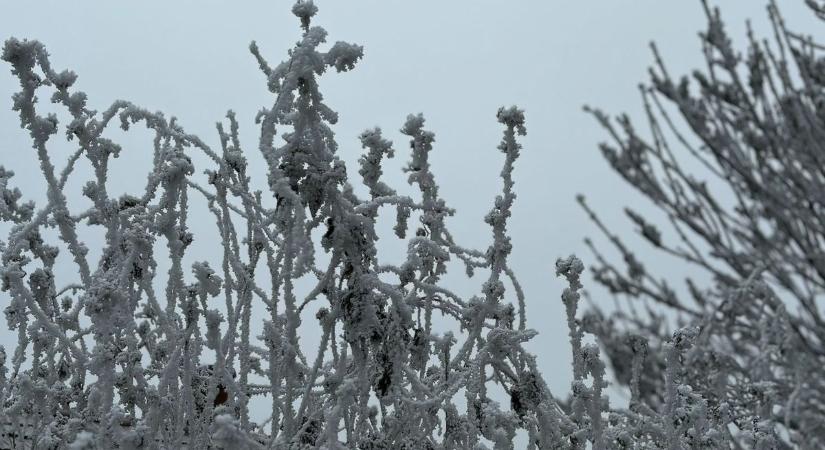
<point>114,359</point>
<point>752,223</point>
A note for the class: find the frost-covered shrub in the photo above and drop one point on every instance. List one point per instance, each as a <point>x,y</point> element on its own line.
<point>110,357</point>
<point>115,359</point>
<point>751,223</point>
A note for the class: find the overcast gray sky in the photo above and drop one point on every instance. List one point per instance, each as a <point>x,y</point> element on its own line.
<point>455,61</point>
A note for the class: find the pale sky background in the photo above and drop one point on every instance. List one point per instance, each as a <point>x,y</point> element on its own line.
<point>456,62</point>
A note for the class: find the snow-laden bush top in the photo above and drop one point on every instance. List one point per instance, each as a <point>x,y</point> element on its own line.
<point>113,359</point>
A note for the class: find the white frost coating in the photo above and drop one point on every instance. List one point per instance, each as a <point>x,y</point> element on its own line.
<point>177,368</point>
